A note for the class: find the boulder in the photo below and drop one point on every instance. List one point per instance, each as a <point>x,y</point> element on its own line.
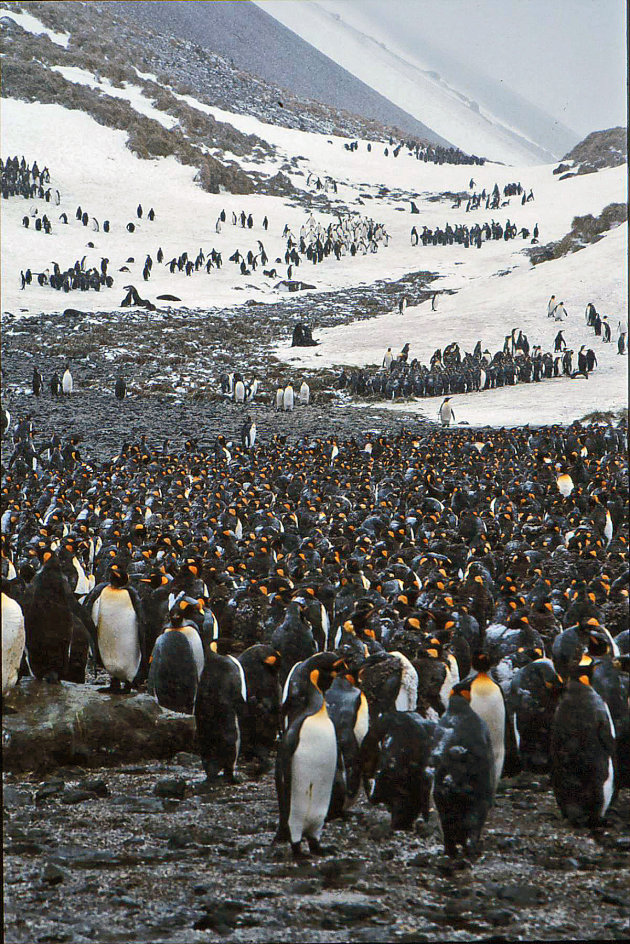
<point>65,724</point>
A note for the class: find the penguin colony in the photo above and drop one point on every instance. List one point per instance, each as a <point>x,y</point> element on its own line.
<point>428,153</point>
<point>449,372</point>
<point>418,613</point>
<point>466,236</point>
<point>348,235</point>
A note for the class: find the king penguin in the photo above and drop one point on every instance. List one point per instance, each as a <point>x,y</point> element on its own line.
<point>486,699</point>
<point>305,768</point>
<point>446,412</point>
<point>176,663</point>
<point>67,384</point>
<point>13,641</point>
<point>583,762</point>
<point>119,628</point>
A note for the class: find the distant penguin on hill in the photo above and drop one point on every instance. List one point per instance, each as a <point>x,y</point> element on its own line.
<point>120,390</point>
<point>279,398</point>
<point>239,392</point>
<point>55,385</point>
<point>38,382</point>
<point>67,384</point>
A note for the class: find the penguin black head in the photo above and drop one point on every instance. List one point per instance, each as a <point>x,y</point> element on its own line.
<point>462,689</point>
<point>324,667</point>
<point>118,577</point>
<point>481,662</point>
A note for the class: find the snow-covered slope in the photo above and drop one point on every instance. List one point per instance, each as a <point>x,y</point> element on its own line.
<point>412,83</point>
<point>496,287</point>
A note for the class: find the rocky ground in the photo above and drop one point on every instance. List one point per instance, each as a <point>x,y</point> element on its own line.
<point>172,360</point>
<point>143,853</point>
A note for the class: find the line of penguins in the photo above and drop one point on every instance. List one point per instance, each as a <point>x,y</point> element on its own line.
<point>451,372</point>
<point>433,154</point>
<point>463,235</point>
<point>420,614</point>
<point>492,200</point>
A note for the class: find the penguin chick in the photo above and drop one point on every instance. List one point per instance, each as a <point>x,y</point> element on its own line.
<point>221,698</point>
<point>462,764</point>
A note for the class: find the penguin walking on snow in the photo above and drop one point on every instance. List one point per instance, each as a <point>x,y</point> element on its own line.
<point>446,412</point>
<point>221,699</point>
<point>305,768</point>
<point>583,761</point>
<point>463,782</point>
<point>117,616</point>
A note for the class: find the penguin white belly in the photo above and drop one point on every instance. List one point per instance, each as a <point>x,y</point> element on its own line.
<point>487,702</point>
<point>118,641</point>
<point>13,641</point>
<point>608,787</point>
<point>194,641</point>
<point>82,587</point>
<point>362,722</point>
<point>407,698</point>
<point>312,774</point>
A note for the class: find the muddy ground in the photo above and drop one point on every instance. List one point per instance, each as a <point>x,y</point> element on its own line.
<point>136,854</point>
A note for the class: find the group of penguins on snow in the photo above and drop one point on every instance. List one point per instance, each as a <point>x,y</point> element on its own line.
<point>492,200</point>
<point>451,373</point>
<point>420,613</point>
<point>430,154</point>
<point>463,235</point>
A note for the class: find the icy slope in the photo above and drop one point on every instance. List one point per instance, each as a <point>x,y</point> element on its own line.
<point>410,82</point>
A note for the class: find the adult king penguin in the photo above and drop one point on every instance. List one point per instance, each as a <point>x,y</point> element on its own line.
<point>119,628</point>
<point>305,767</point>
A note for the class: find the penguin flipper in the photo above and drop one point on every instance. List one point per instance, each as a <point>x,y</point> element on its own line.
<point>284,760</point>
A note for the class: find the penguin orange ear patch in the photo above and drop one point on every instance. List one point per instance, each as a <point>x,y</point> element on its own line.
<point>271,660</point>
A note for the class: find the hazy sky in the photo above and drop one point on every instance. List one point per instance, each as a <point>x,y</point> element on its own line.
<point>566,56</point>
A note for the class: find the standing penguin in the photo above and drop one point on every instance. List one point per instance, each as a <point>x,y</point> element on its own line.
<point>305,767</point>
<point>304,395</point>
<point>38,382</point>
<point>248,433</point>
<point>486,699</point>
<point>13,641</point>
<point>56,638</point>
<point>120,390</point>
<point>279,398</point>
<point>583,762</point>
<point>288,399</point>
<point>261,715</point>
<point>221,698</point>
<point>117,616</point>
<point>67,385</point>
<point>55,385</point>
<point>446,412</point>
<point>463,782</point>
<point>176,663</point>
<point>239,392</point>
<point>388,358</point>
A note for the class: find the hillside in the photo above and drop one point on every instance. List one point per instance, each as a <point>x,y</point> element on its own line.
<point>255,44</point>
<point>598,150</point>
<point>115,136</point>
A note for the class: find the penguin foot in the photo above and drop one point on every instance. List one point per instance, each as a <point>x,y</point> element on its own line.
<point>231,778</point>
<point>298,853</point>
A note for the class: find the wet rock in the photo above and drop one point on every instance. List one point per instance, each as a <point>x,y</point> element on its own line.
<point>52,874</point>
<point>221,915</point>
<point>70,797</point>
<point>131,804</point>
<point>98,787</point>
<point>517,894</point>
<point>49,788</point>
<point>174,788</point>
<point>68,723</point>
